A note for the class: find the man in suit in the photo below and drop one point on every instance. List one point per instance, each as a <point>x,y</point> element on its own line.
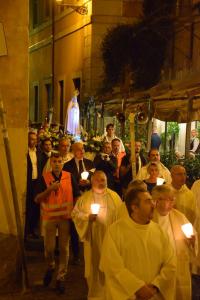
<point>76,166</point>
<point>33,174</point>
<point>46,145</point>
<point>107,163</point>
<point>126,168</point>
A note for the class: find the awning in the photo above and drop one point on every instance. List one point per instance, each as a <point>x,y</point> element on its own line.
<point>177,101</point>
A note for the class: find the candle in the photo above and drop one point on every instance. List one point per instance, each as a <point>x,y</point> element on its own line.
<point>160,181</point>
<point>95,208</point>
<point>187,230</point>
<point>84,175</point>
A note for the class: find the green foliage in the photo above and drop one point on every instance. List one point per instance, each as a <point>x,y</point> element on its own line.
<point>117,52</point>
<point>173,128</point>
<point>169,159</point>
<point>138,51</point>
<point>191,165</point>
<point>172,133</point>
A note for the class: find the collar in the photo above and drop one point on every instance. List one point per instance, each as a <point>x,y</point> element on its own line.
<point>55,177</point>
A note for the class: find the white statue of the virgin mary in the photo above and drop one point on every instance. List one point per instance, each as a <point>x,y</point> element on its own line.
<point>72,125</point>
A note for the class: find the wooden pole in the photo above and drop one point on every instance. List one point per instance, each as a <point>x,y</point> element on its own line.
<point>165,141</point>
<point>132,138</point>
<point>20,232</point>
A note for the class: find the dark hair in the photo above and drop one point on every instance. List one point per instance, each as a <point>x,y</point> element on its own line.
<point>109,125</point>
<point>131,197</point>
<point>152,149</point>
<point>55,154</point>
<point>32,132</point>
<point>63,139</point>
<point>114,140</point>
<point>46,140</point>
<point>152,164</point>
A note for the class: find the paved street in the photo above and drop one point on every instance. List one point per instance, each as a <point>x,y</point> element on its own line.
<point>75,286</point>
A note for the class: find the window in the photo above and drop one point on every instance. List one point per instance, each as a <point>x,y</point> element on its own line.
<point>35,6</point>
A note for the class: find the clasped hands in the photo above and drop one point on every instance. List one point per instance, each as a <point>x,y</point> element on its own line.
<point>146,292</point>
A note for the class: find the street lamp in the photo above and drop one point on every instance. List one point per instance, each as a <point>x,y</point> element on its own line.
<point>80,9</point>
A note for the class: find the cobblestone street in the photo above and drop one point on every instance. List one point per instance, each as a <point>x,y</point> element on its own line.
<point>75,284</point>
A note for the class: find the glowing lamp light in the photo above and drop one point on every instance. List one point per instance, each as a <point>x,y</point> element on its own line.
<point>187,230</point>
<point>160,181</point>
<point>95,208</point>
<point>84,175</point>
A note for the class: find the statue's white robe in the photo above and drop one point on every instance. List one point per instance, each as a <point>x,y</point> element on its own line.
<point>92,234</point>
<point>134,255</point>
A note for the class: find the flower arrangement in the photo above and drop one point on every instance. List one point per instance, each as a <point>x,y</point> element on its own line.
<point>92,142</point>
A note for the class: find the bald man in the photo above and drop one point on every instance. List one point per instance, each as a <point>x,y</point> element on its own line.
<point>92,227</point>
<point>79,164</point>
<point>184,198</point>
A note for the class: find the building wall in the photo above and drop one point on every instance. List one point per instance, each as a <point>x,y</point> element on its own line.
<point>77,40</point>
<point>14,93</point>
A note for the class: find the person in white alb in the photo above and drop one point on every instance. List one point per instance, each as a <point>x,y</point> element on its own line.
<point>92,227</point>
<point>196,191</point>
<point>185,201</point>
<point>171,221</point>
<point>137,257</point>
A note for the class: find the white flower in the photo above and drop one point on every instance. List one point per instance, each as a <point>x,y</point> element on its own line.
<point>97,138</point>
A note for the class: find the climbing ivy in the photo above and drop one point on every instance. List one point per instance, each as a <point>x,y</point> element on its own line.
<point>138,51</point>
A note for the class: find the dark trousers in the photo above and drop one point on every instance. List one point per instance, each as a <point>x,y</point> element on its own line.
<point>74,240</point>
<point>32,209</point>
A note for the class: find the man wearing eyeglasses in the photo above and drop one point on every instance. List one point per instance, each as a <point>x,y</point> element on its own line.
<point>171,221</point>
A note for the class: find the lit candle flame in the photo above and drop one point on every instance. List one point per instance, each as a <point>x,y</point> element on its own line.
<point>160,181</point>
<point>84,175</point>
<point>95,208</point>
<point>187,230</point>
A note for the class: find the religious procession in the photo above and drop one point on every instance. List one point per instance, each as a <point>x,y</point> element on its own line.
<point>99,150</point>
<point>138,221</point>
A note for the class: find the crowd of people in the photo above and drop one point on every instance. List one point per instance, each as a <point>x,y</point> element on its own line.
<point>131,228</point>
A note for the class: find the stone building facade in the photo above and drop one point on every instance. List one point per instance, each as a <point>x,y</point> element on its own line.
<point>65,50</point>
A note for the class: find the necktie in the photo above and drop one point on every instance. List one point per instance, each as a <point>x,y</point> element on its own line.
<point>80,163</point>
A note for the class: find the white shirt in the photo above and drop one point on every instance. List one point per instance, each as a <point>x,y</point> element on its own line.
<point>163,173</point>
<point>77,164</point>
<point>33,157</point>
<point>195,141</point>
<point>110,138</point>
